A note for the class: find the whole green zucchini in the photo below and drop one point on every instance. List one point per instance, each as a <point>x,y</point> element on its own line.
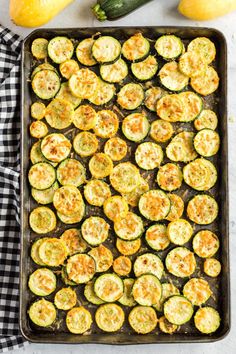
<point>114,9</point>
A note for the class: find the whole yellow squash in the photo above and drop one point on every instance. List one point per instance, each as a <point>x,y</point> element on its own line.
<point>206,9</point>
<point>34,13</point>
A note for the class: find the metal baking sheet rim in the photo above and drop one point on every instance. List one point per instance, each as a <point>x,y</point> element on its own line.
<point>126,339</point>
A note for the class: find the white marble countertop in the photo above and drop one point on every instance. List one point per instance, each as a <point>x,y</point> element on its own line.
<point>158,12</point>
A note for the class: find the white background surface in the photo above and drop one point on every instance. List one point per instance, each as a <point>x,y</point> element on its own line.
<point>157,12</point>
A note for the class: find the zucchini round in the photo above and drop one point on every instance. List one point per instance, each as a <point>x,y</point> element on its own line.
<point>55,147</point>
<point>169,47</point>
<point>109,287</point>
<point>122,266</point>
<point>180,262</point>
<point>146,69</point>
<point>84,83</point>
<point>37,156</point>
<point>100,165</point>
<point>42,282</point>
<point>42,220</point>
<point>176,207</point>
<point>192,64</point>
<point>127,298</point>
<point>68,200</point>
<point>59,113</point>
<point>212,267</point>
<point>38,129</point>
<point>90,294</point>
<point>53,252</point>
<point>161,131</point>
<point>71,171</point>
<point>60,49</point>
<point>148,263</point>
<point>149,155</point>
<point>207,142</point>
<point>46,84</point>
<point>107,124</point>
<point>172,78</point>
<point>202,209</point>
<point>44,196</point>
<point>205,243</point>
<point>207,119</point>
<point>170,108</point>
<point>125,177</point>
<point>80,268</point>
<point>68,68</point>
<point>109,317</point>
<point>143,319</point>
<point>95,230</point>
<point>193,105</point>
<point>43,66</point>
<point>42,313</point>
<point>207,320</point>
<point>179,231</point>
<point>133,197</point>
<point>96,192</point>
<point>85,117</point>
<point>181,147</point>
<point>73,241</point>
<point>165,326</point>
<point>204,47</point>
<point>168,289</point>
<point>114,206</point>
<point>103,258</point>
<point>200,174</point>
<point>39,48</point>
<point>85,144</point>
<point>104,94</point>
<point>156,237</point>
<point>65,94</point>
<point>206,83</point>
<point>115,72</point>
<point>106,49</point>
<point>38,110</point>
<point>178,310</point>
<point>116,148</point>
<point>154,205</point>
<point>130,96</point>
<point>78,320</point>
<point>128,248</point>
<point>197,291</point>
<point>169,177</point>
<point>136,47</point>
<point>72,219</point>
<point>135,126</point>
<point>152,95</point>
<point>84,52</point>
<point>128,227</point>
<point>65,299</point>
<point>42,175</point>
<point>147,290</point>
<point>34,253</point>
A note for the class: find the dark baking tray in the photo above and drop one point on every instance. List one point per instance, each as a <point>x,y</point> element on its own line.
<point>221,286</point>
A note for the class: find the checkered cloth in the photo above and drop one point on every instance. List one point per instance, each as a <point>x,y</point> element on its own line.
<point>10,47</point>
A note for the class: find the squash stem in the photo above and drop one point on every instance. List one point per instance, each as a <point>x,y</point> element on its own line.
<point>99,12</point>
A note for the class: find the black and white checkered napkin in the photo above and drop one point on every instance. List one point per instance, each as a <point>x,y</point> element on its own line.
<point>10,47</point>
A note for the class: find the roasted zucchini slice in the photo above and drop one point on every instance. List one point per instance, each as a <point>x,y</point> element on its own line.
<point>37,156</point>
<point>114,206</point>
<point>156,237</point>
<point>71,171</point>
<point>192,64</point>
<point>109,287</point>
<point>205,243</point>
<point>65,299</point>
<point>207,320</point>
<point>85,117</point>
<point>202,209</point>
<point>168,289</point>
<point>104,94</point>
<point>143,319</point>
<point>116,148</point>
<point>179,231</point>
<point>147,290</point>
<point>169,177</point>
<point>205,83</point>
<point>180,262</point>
<point>34,253</point>
<point>84,83</point>
<point>45,84</point>
<point>53,252</point>
<point>133,197</point>
<point>44,196</point>
<point>207,119</point>
<point>96,192</point>
<point>106,49</point>
<point>73,241</point>
<point>41,175</point>
<point>78,320</point>
<point>85,144</point>
<point>59,113</point>
<point>172,78</point>
<point>212,267</point>
<point>152,95</point>
<point>181,147</point>
<point>149,155</point>
<point>65,94</point>
<point>207,142</point>
<point>37,110</point>
<point>169,47</point>
<point>127,298</point>
<point>80,268</point>
<point>130,96</point>
<point>125,177</point>
<point>161,131</point>
<point>42,282</point>
<point>200,174</point>
<point>197,291</point>
<point>43,66</point>
<point>136,47</point>
<point>38,129</point>
<point>55,147</point>
<point>115,72</point>
<point>204,47</point>
<point>60,49</point>
<point>84,52</point>
<point>176,207</point>
<point>109,317</point>
<point>128,248</point>
<point>42,313</point>
<point>178,310</point>
<point>148,263</point>
<point>154,205</point>
<point>193,105</point>
<point>68,68</point>
<point>42,220</point>
<point>100,165</point>
<point>135,126</point>
<point>72,219</point>
<point>103,258</point>
<point>128,227</point>
<point>90,294</point>
<point>95,230</point>
<point>165,326</point>
<point>39,48</point>
<point>107,124</point>
<point>146,69</point>
<point>68,200</point>
<point>122,266</point>
<point>170,108</point>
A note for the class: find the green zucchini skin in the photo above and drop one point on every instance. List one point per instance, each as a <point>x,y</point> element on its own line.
<point>114,9</point>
